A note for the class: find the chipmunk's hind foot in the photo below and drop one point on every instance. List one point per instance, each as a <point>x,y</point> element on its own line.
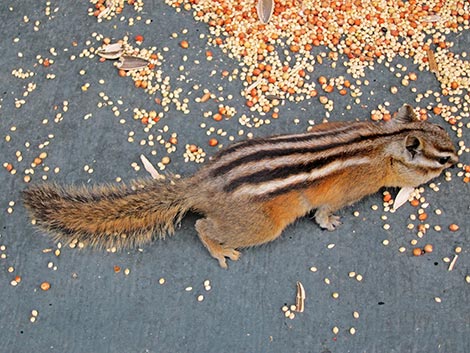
<point>204,228</point>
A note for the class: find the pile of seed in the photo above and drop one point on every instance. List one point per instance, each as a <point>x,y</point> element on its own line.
<point>107,9</point>
<point>279,56</point>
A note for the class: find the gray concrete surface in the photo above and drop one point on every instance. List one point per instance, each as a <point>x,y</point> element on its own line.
<point>90,308</point>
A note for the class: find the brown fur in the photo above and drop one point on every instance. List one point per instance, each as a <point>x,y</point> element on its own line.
<point>250,192</point>
<point>107,216</point>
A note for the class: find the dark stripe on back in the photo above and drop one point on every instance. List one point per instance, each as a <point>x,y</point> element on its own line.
<point>287,138</point>
<point>285,152</point>
<point>286,171</point>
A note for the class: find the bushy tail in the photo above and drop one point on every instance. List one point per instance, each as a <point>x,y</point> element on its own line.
<point>109,216</point>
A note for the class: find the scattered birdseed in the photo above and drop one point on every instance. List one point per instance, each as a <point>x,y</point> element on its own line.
<point>352,331</point>
<point>45,286</point>
<point>161,281</point>
<point>313,269</point>
<point>428,248</point>
<point>437,299</point>
<point>200,298</point>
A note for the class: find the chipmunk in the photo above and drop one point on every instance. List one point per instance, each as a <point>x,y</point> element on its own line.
<point>249,192</point>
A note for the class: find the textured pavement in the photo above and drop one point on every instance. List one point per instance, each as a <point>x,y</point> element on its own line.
<point>94,306</point>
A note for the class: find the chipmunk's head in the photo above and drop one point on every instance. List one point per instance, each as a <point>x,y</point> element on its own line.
<point>420,152</point>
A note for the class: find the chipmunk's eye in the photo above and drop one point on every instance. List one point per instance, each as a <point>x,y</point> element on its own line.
<point>443,160</point>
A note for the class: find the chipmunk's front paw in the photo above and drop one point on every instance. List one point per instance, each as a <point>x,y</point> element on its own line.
<point>326,220</point>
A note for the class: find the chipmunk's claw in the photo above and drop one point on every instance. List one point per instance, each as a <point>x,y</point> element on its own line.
<point>326,220</point>
<point>217,250</point>
<point>222,255</point>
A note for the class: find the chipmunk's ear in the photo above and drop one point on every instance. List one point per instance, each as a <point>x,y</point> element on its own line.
<point>413,145</point>
<point>405,114</point>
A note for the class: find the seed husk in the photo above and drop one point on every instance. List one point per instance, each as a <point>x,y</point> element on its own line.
<point>452,263</point>
<point>432,61</point>
<point>402,196</point>
<point>265,10</point>
<point>111,51</point>
<point>128,63</point>
<point>300,298</point>
<point>149,167</point>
